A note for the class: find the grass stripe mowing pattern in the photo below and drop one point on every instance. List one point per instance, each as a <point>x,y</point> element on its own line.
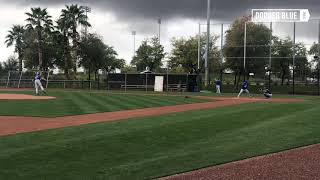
<point>73,103</point>
<point>143,148</point>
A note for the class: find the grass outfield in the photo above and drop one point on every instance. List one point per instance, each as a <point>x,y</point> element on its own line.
<point>144,148</point>
<point>73,103</point>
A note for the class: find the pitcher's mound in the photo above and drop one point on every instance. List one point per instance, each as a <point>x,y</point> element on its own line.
<point>23,97</point>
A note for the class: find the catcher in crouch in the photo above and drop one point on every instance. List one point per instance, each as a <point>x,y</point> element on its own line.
<point>267,93</point>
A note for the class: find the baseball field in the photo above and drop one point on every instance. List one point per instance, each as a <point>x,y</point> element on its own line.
<point>99,135</point>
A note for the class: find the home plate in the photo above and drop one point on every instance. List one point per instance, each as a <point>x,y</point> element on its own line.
<point>23,97</point>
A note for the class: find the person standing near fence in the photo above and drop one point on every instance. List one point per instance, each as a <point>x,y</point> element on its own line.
<point>218,86</point>
<point>244,88</point>
<point>37,83</point>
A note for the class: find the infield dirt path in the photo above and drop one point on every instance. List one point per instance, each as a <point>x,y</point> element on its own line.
<point>23,97</point>
<point>15,124</point>
<point>296,164</point>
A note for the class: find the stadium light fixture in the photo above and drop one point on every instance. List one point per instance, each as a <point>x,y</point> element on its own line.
<point>134,33</point>
<point>208,45</point>
<point>159,23</point>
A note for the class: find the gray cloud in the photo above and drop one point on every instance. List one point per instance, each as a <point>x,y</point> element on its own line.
<point>223,10</point>
<point>141,15</point>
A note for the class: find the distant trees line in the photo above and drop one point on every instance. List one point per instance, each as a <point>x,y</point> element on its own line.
<point>45,44</point>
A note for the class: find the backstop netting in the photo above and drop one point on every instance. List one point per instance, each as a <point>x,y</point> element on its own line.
<point>25,79</point>
<point>280,55</point>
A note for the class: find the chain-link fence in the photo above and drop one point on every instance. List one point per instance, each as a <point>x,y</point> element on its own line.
<point>109,81</point>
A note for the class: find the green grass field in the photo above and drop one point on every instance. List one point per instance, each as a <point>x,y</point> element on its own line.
<point>73,103</point>
<point>144,148</point>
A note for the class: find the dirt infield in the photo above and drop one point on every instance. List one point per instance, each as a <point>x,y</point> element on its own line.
<point>301,163</point>
<point>23,97</point>
<point>12,125</point>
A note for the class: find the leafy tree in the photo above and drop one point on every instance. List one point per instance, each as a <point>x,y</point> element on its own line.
<point>282,53</point>
<point>149,55</point>
<point>40,22</point>
<point>184,55</point>
<point>110,60</point>
<point>73,16</point>
<point>258,41</point>
<point>281,57</point>
<point>302,65</point>
<point>62,56</point>
<point>118,64</point>
<point>315,51</point>
<point>96,55</point>
<point>177,69</point>
<point>128,69</point>
<point>11,64</point>
<point>16,36</point>
<point>49,51</point>
<point>92,52</point>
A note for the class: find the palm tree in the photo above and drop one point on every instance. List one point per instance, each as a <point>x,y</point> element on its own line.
<point>1,68</point>
<point>75,15</point>
<point>63,32</point>
<point>11,64</point>
<point>39,21</point>
<point>16,35</point>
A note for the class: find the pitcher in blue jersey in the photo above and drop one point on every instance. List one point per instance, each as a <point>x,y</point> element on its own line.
<point>244,88</point>
<point>37,83</point>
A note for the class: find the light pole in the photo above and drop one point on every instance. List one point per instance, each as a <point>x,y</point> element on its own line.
<point>270,55</point>
<point>134,33</point>
<point>221,55</point>
<point>245,49</point>
<point>87,10</point>
<point>317,59</point>
<point>159,35</point>
<point>199,46</point>
<point>208,43</point>
<point>294,58</point>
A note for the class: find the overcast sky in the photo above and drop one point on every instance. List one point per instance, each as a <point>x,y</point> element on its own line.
<point>114,20</point>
